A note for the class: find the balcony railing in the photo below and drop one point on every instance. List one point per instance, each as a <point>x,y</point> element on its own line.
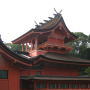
<point>50,44</point>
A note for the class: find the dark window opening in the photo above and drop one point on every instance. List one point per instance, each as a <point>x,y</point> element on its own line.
<point>83,85</point>
<point>3,74</point>
<point>27,84</point>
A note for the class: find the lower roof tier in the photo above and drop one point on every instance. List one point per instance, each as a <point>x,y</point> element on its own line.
<point>47,57</point>
<point>60,59</point>
<point>43,77</point>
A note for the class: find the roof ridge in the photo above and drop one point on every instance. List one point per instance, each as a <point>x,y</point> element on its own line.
<point>56,16</point>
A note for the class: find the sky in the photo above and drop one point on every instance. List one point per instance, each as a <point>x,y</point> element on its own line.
<point>19,16</point>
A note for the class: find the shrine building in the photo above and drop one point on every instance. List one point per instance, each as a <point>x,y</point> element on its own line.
<point>44,62</point>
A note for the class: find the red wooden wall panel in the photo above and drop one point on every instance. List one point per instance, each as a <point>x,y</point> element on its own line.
<point>4,85</point>
<point>12,83</point>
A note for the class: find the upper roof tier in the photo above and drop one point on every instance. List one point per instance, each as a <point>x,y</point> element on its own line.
<point>50,25</point>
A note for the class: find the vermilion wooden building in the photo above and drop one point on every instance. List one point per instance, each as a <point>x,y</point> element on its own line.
<point>46,65</point>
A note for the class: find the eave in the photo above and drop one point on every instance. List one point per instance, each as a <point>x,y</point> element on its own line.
<point>43,77</point>
<point>62,60</point>
<point>33,61</point>
<point>13,57</point>
<point>47,27</point>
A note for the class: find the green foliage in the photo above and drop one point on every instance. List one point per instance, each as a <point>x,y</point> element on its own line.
<point>14,47</point>
<point>89,38</point>
<point>80,45</point>
<point>88,71</point>
<point>81,49</point>
<point>86,53</point>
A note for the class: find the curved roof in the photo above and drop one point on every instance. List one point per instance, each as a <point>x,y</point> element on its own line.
<point>48,57</point>
<point>62,59</point>
<point>45,77</point>
<point>13,57</point>
<point>45,27</point>
<point>50,24</point>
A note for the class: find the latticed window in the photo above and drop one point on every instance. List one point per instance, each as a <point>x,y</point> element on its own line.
<point>3,74</point>
<point>53,85</point>
<point>73,86</point>
<point>41,85</point>
<point>63,86</point>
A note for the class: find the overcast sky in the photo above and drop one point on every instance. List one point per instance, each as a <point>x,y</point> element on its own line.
<point>18,16</point>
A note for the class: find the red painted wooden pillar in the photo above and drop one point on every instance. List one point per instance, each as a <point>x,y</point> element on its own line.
<point>31,45</point>
<point>79,85</point>
<point>26,47</point>
<point>69,85</point>
<point>88,85</point>
<point>35,88</point>
<point>36,41</point>
<point>22,47</point>
<point>47,84</point>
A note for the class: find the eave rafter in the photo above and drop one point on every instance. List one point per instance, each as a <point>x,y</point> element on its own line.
<point>50,60</point>
<point>13,57</point>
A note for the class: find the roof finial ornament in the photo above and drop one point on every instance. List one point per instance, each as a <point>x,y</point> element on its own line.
<point>55,10</point>
<point>0,38</point>
<point>35,22</point>
<point>60,11</point>
<point>46,21</point>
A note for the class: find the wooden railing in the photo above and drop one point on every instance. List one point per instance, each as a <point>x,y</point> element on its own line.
<point>47,44</point>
